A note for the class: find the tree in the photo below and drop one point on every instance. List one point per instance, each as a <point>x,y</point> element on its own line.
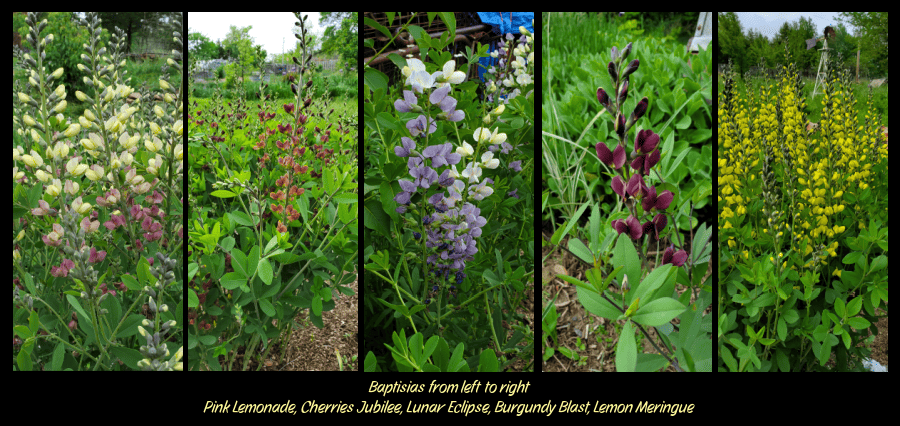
<point>154,27</point>
<point>872,38</point>
<point>731,39</point>
<point>341,36</point>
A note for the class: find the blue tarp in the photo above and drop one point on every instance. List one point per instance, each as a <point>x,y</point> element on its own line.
<point>503,23</point>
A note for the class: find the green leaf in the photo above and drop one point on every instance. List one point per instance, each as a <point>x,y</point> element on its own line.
<point>859,323</point>
<point>223,194</point>
<point>233,280</point>
<point>346,198</point>
<point>579,249</point>
<point>81,312</point>
<point>488,362</point>
<point>571,280</point>
<point>317,305</point>
<point>267,307</point>
<point>265,271</point>
<point>626,350</point>
<point>193,299</point>
<point>625,255</point>
<point>659,312</point>
<point>401,309</point>
<point>595,304</point>
<point>568,226</point>
<point>329,182</point>
<point>241,218</point>
<point>879,263</point>
<point>272,243</point>
<point>131,283</point>
<point>143,271</point>
<point>851,257</point>
<point>239,263</point>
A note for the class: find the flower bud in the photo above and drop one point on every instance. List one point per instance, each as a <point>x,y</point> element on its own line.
<point>623,93</point>
<point>632,67</point>
<point>602,97</point>
<point>626,51</point>
<point>639,110</point>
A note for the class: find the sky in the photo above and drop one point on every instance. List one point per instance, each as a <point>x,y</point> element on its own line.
<point>272,30</point>
<point>768,23</point>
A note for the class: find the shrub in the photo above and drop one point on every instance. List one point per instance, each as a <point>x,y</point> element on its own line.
<point>97,214</point>
<point>800,225</point>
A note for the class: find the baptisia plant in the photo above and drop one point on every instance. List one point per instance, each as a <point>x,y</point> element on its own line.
<point>283,242</point>
<point>449,222</point>
<point>438,206</point>
<point>129,164</point>
<point>629,183</point>
<point>647,285</point>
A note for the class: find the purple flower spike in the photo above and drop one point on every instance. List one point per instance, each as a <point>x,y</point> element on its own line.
<point>406,149</point>
<point>439,95</point>
<point>636,186</point>
<point>441,155</point>
<point>425,176</point>
<point>417,126</point>
<point>643,163</point>
<point>408,103</point>
<point>632,67</point>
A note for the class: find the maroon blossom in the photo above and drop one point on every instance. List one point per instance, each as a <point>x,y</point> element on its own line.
<point>651,201</point>
<point>630,225</point>
<point>614,159</point>
<point>675,258</point>
<point>645,141</point>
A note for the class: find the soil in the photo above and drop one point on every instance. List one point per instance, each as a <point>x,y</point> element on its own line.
<point>313,349</point>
